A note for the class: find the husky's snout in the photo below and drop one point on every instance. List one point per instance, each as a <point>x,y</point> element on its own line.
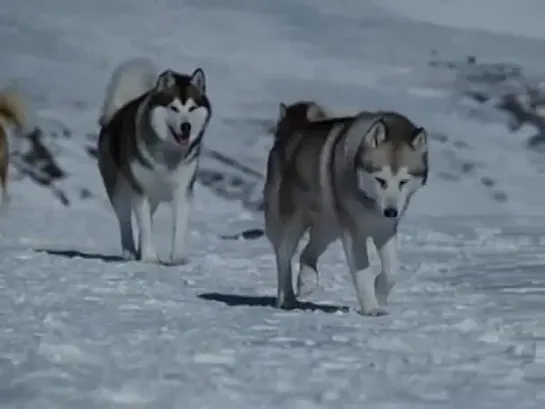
<point>390,212</point>
<point>182,135</point>
<point>185,130</point>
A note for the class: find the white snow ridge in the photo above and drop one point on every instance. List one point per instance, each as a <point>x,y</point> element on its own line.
<point>81,329</point>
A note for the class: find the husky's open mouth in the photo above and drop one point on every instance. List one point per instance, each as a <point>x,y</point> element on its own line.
<point>181,136</point>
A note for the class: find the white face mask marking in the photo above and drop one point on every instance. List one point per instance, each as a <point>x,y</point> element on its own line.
<point>178,122</point>
<point>389,190</point>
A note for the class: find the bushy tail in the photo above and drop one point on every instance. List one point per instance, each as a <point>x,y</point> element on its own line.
<point>13,108</point>
<point>129,80</point>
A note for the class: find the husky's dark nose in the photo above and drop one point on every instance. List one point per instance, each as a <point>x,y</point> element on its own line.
<point>185,129</point>
<point>390,212</point>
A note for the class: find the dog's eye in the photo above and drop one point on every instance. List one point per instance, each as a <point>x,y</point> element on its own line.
<point>174,108</point>
<point>191,109</point>
<point>403,183</point>
<point>381,182</point>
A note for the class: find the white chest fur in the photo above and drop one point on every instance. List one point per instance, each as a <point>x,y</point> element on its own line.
<point>160,183</point>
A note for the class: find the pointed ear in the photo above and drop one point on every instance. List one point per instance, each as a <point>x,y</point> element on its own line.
<point>164,81</point>
<point>314,112</point>
<point>375,135</point>
<point>282,108</point>
<point>420,140</point>
<point>198,80</point>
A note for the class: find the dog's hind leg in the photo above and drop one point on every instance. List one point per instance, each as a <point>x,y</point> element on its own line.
<point>387,251</point>
<point>121,202</point>
<point>153,205</point>
<point>142,212</point>
<point>3,185</point>
<point>119,193</point>
<point>307,279</point>
<point>285,237</point>
<point>4,168</point>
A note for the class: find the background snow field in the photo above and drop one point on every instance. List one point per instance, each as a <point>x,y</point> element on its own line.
<point>79,328</point>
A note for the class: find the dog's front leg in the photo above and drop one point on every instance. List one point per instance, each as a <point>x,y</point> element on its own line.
<point>308,278</point>
<point>181,208</point>
<point>388,255</point>
<point>363,276</point>
<point>142,212</point>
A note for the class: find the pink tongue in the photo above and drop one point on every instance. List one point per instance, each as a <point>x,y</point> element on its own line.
<point>182,138</point>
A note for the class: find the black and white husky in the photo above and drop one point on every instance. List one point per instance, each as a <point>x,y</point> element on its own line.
<point>149,144</point>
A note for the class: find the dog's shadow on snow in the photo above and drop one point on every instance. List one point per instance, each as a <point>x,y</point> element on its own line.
<point>107,258</point>
<point>237,300</point>
<point>83,255</point>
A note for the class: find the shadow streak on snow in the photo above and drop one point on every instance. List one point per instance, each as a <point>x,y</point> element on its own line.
<point>235,300</point>
<point>248,234</point>
<point>82,254</point>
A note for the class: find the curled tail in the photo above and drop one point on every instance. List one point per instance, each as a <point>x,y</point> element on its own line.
<point>129,80</point>
<point>14,109</point>
<point>295,115</point>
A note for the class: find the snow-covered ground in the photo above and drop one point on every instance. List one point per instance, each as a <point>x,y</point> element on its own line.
<point>81,329</point>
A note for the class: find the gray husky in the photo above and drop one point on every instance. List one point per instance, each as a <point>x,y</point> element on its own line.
<point>341,177</point>
<point>152,126</point>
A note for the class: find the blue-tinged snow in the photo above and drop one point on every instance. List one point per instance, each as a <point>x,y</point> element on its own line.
<point>80,329</point>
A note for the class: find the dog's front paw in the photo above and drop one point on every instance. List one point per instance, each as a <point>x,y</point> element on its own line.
<point>128,255</point>
<point>382,299</point>
<point>148,256</point>
<point>374,312</point>
<point>178,261</point>
<point>383,287</point>
<point>307,281</point>
<point>286,302</point>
